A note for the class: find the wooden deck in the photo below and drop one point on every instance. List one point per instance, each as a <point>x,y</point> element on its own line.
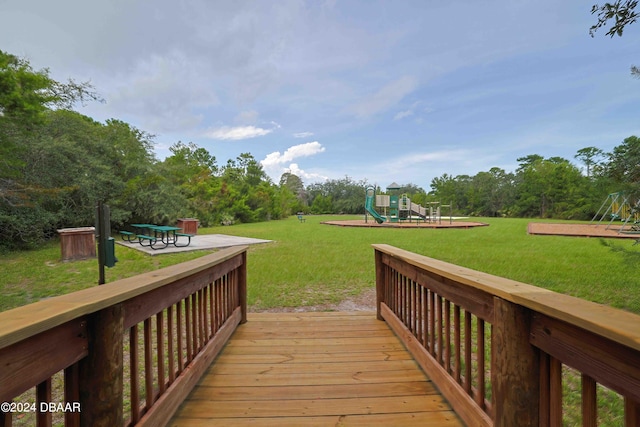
<point>314,369</point>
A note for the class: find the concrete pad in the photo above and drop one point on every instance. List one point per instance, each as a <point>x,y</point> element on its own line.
<point>198,242</point>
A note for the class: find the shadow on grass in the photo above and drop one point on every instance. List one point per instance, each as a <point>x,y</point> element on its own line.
<point>631,253</point>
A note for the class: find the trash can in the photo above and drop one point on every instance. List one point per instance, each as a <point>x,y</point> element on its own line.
<point>188,225</point>
<point>77,243</point>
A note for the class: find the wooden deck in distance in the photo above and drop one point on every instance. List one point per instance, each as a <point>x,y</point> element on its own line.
<point>314,369</point>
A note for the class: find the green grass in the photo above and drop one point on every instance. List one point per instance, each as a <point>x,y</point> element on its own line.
<point>313,264</point>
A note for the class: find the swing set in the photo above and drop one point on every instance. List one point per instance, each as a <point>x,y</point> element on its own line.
<point>619,208</point>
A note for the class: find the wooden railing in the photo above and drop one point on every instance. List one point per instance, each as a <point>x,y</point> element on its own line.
<point>496,348</point>
<point>126,353</point>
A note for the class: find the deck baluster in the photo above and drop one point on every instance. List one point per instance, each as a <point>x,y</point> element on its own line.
<point>43,395</point>
<point>134,372</point>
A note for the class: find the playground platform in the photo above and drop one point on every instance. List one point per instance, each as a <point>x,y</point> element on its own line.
<point>579,230</point>
<point>445,223</point>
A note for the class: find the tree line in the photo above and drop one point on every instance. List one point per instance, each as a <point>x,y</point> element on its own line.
<point>57,164</point>
<point>546,187</point>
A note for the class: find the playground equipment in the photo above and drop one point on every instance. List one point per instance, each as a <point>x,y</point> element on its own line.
<point>617,207</point>
<point>401,208</point>
<point>368,206</point>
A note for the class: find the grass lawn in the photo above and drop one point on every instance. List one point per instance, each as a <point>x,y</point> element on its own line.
<point>314,264</point>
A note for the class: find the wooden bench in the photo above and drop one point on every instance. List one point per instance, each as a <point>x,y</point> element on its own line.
<point>301,218</point>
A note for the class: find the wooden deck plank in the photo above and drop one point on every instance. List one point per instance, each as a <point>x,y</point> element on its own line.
<point>346,343</point>
<point>301,368</point>
<point>293,369</point>
<point>312,392</point>
<point>312,378</point>
<point>366,356</point>
<point>422,419</point>
<point>321,407</point>
<point>308,331</point>
<point>325,349</point>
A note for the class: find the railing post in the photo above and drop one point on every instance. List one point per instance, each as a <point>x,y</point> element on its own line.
<point>380,283</point>
<point>631,412</point>
<point>515,367</point>
<point>242,288</point>
<point>101,372</point>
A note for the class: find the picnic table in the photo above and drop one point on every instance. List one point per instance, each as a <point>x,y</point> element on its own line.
<point>156,236</point>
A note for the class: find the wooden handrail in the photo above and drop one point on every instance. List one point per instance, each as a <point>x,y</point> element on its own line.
<point>193,308</point>
<point>495,347</point>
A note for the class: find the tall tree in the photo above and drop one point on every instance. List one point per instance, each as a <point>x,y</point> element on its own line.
<point>589,157</point>
<point>624,164</point>
<point>549,188</point>
<point>26,96</point>
<point>295,188</point>
<point>491,193</point>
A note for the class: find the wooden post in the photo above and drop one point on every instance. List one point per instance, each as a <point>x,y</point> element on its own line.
<point>101,372</point>
<point>631,412</point>
<point>242,287</point>
<point>101,248</point>
<point>380,279</point>
<point>515,367</point>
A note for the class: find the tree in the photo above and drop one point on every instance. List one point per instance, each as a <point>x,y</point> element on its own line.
<point>293,183</point>
<point>624,14</point>
<point>623,11</point>
<point>549,188</point>
<point>27,199</point>
<point>589,156</point>
<point>455,190</point>
<point>338,196</point>
<point>624,164</point>
<point>491,193</point>
<point>245,192</point>
<point>294,187</point>
<point>25,96</point>
<point>322,205</point>
<point>191,170</point>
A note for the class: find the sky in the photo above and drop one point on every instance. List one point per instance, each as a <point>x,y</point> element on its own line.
<point>377,91</point>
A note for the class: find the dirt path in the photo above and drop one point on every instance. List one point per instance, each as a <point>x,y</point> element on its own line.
<point>366,301</point>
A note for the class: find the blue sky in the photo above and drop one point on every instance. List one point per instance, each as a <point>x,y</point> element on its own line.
<point>381,91</point>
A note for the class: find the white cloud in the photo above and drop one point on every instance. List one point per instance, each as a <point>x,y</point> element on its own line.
<point>410,112</point>
<point>303,175</point>
<point>301,150</point>
<point>236,133</point>
<point>274,164</point>
<point>402,114</point>
<point>385,98</point>
<point>302,134</point>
